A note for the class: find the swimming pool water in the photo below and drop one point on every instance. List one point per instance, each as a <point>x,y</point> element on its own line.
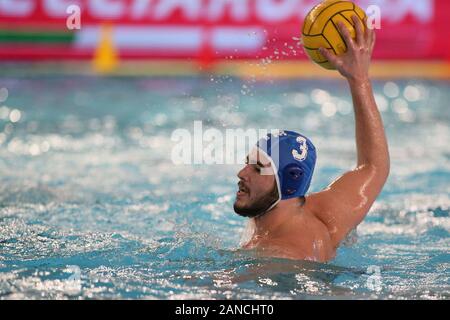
<point>91,205</point>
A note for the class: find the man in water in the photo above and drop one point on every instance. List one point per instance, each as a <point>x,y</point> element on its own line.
<point>289,224</point>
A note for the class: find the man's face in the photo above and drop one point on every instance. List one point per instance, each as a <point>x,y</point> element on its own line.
<point>257,186</point>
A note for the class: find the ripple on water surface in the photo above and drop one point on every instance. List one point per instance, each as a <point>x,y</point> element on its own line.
<point>91,205</point>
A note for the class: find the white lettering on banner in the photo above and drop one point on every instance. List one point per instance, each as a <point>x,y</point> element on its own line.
<point>140,9</point>
<point>191,9</point>
<point>58,8</point>
<point>265,11</point>
<point>107,8</point>
<point>275,10</point>
<point>239,9</point>
<point>17,8</point>
<point>422,10</point>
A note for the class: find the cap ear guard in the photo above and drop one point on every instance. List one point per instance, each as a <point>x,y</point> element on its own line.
<point>292,178</point>
<point>295,158</point>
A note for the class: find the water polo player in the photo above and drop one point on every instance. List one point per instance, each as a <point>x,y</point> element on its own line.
<point>288,222</point>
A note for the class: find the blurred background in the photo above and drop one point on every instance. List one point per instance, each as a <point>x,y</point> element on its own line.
<point>91,92</point>
<point>211,34</point>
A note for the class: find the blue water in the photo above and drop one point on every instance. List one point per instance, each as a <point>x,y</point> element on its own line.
<point>91,205</point>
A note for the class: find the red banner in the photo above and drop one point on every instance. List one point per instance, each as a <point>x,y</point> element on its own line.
<point>410,29</point>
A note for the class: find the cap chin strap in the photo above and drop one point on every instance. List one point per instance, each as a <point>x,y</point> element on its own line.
<point>277,180</point>
<point>270,208</point>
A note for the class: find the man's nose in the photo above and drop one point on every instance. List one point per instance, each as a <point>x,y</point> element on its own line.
<point>242,174</point>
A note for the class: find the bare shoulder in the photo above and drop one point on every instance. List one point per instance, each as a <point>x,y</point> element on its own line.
<point>346,201</point>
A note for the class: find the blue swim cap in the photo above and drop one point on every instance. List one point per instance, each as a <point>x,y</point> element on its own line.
<point>293,157</point>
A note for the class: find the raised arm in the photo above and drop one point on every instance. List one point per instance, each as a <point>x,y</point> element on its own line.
<point>346,201</point>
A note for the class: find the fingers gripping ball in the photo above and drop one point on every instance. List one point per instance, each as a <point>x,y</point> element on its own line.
<point>320,29</point>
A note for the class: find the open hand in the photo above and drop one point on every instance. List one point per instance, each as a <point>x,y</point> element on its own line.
<point>354,63</point>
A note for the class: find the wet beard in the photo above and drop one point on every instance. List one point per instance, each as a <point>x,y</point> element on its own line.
<point>259,206</point>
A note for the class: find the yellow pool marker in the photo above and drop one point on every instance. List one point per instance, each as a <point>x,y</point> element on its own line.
<point>106,58</point>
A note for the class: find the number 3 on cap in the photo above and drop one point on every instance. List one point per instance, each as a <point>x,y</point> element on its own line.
<point>303,150</point>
